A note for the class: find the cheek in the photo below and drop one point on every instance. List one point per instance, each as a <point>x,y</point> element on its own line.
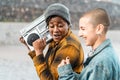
<point>89,35</point>
<point>65,29</point>
<point>92,38</point>
<point>51,31</point>
<point>64,32</point>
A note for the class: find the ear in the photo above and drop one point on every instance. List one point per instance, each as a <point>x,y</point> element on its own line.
<point>99,29</point>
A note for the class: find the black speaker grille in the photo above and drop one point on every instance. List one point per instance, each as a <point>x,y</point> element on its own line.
<point>31,38</point>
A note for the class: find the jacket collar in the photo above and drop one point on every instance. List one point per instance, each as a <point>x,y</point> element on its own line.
<point>95,52</point>
<point>102,46</point>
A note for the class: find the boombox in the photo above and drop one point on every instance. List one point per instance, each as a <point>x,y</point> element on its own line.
<point>35,30</point>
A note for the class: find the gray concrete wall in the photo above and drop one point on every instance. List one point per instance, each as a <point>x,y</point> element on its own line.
<point>9,33</point>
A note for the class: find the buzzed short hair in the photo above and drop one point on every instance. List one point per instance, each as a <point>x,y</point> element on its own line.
<point>99,16</point>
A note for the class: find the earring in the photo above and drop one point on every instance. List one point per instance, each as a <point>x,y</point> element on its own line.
<point>99,34</point>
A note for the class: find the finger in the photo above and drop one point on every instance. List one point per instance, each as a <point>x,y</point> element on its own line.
<point>21,39</point>
<point>63,62</point>
<point>36,42</point>
<point>44,39</point>
<point>67,60</point>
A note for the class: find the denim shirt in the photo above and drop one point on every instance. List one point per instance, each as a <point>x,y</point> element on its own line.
<point>103,65</point>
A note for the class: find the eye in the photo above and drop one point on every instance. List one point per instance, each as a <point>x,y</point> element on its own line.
<point>82,28</point>
<point>60,25</point>
<point>51,26</point>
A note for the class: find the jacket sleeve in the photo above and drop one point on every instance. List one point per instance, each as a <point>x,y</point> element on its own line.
<point>66,73</point>
<point>41,66</point>
<point>92,73</point>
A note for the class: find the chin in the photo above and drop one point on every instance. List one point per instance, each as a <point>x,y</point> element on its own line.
<point>87,44</point>
<point>56,40</point>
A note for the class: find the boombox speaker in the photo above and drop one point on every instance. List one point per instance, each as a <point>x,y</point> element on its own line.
<point>35,30</point>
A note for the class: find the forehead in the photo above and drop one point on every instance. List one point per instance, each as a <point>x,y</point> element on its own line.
<point>84,21</point>
<point>56,18</point>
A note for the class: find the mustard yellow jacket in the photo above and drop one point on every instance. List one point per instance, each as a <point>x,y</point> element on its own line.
<point>46,66</point>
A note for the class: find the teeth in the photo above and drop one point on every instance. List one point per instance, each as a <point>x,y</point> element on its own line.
<point>56,35</point>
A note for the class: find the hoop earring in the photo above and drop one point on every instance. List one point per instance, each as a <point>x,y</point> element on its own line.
<point>99,34</point>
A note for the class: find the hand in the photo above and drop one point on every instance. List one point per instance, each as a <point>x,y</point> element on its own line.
<point>39,46</point>
<point>64,62</point>
<point>23,42</point>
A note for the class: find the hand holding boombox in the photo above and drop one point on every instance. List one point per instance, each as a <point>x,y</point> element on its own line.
<point>35,30</point>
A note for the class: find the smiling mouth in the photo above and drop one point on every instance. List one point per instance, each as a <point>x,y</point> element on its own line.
<point>84,38</point>
<point>57,35</point>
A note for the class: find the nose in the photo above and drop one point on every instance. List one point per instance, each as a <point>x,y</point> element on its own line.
<point>80,34</point>
<point>56,29</point>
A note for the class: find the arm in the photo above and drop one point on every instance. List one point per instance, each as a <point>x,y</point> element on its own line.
<point>39,60</point>
<point>66,73</point>
<point>92,72</point>
<point>41,66</point>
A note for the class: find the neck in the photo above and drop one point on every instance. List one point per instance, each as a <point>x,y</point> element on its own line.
<point>99,41</point>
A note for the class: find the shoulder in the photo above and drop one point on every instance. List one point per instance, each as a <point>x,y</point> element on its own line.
<point>103,60</point>
<point>73,40</point>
